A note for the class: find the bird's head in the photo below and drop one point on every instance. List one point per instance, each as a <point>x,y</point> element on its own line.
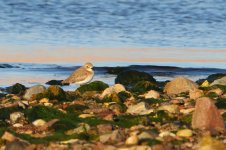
<point>88,66</point>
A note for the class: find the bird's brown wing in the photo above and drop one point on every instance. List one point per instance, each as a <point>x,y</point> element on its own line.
<point>78,75</point>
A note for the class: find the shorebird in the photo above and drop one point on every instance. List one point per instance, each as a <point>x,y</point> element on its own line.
<point>81,76</point>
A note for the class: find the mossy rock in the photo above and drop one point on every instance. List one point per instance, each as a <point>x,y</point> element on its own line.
<point>16,89</point>
<point>52,93</point>
<point>93,86</point>
<point>143,86</point>
<point>131,77</point>
<point>44,112</point>
<point>211,78</point>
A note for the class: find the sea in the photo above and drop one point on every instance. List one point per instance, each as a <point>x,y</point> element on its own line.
<point>112,23</point>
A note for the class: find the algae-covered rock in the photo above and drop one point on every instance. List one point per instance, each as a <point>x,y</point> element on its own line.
<point>93,86</point>
<point>53,92</point>
<point>16,89</point>
<point>44,112</point>
<point>144,86</point>
<point>220,81</point>
<point>179,85</point>
<point>131,77</point>
<point>33,91</point>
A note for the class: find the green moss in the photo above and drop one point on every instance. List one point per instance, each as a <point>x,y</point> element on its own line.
<point>152,101</point>
<point>131,77</point>
<point>224,116</point>
<point>57,136</point>
<point>212,95</point>
<point>93,86</point>
<point>5,112</point>
<point>187,119</point>
<point>64,124</point>
<point>44,112</point>
<point>16,89</point>
<point>123,95</point>
<point>149,142</point>
<point>127,121</point>
<point>54,92</point>
<point>76,108</point>
<point>143,86</point>
<point>221,103</point>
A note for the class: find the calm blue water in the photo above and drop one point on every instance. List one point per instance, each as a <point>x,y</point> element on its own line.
<point>97,23</point>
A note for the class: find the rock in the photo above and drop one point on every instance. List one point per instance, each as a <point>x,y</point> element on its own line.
<point>16,117</point>
<point>144,86</point>
<point>166,133</point>
<point>86,115</point>
<point>83,127</point>
<point>131,77</point>
<point>44,100</point>
<point>170,108</point>
<point>208,143</point>
<point>8,137</point>
<point>33,91</point>
<point>217,91</point>
<point>104,128</point>
<point>114,137</point>
<point>205,84</point>
<point>17,145</point>
<point>141,108</point>
<point>132,140</point>
<point>152,94</point>
<point>184,133</point>
<point>187,111</point>
<point>206,115</point>
<point>179,85</point>
<point>144,135</point>
<point>221,81</point>
<point>93,86</point>
<point>113,89</point>
<point>56,82</point>
<point>39,122</point>
<point>196,93</point>
<point>16,89</point>
<point>211,78</point>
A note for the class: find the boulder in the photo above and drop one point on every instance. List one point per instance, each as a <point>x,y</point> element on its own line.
<point>206,115</point>
<point>144,86</point>
<point>179,85</point>
<point>131,77</point>
<point>117,88</point>
<point>221,81</point>
<point>33,91</point>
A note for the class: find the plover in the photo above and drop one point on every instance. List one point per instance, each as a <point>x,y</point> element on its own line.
<point>81,76</point>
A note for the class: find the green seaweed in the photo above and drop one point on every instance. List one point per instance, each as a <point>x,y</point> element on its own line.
<point>152,101</point>
<point>212,95</point>
<point>187,119</point>
<point>76,108</point>
<point>123,95</point>
<point>221,103</point>
<point>44,112</point>
<point>93,86</point>
<point>5,112</point>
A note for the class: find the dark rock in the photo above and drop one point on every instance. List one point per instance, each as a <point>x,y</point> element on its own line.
<point>56,82</point>
<point>131,77</point>
<point>206,115</point>
<point>93,86</point>
<point>16,89</point>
